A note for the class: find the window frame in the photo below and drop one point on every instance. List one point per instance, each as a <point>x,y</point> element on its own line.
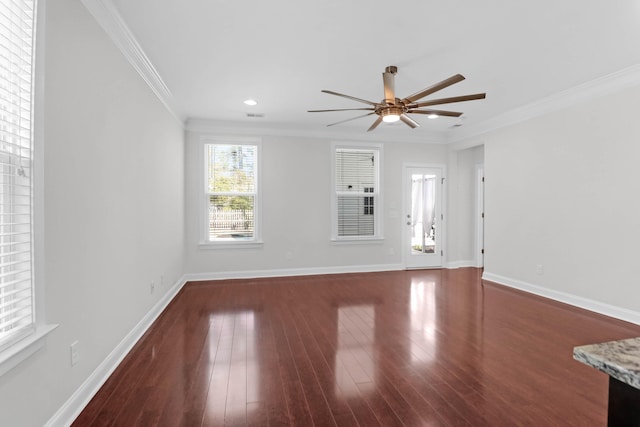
<point>20,350</point>
<point>378,235</point>
<point>204,241</point>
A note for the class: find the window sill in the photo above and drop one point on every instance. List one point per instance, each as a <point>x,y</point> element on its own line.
<point>231,245</point>
<point>358,241</point>
<point>14,355</point>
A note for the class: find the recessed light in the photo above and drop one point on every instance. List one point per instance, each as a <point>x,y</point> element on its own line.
<point>432,116</point>
<point>251,102</point>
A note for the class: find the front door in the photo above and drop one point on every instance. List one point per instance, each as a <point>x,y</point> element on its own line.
<point>423,217</point>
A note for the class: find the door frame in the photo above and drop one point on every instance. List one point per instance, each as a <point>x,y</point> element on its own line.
<point>479,216</point>
<point>443,202</point>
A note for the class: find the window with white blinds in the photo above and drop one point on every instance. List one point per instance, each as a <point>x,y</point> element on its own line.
<point>16,53</point>
<point>356,192</point>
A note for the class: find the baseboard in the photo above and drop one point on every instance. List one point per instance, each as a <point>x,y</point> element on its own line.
<point>574,300</point>
<point>254,274</point>
<point>461,264</point>
<point>76,403</point>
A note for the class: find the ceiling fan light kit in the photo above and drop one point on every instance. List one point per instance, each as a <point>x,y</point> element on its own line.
<point>391,114</point>
<point>392,109</point>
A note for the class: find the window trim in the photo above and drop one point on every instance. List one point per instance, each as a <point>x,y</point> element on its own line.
<point>203,229</point>
<point>378,235</point>
<point>22,349</point>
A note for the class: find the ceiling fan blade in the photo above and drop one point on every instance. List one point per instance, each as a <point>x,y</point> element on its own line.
<point>436,87</point>
<point>409,121</point>
<point>389,87</point>
<point>436,112</point>
<point>342,109</point>
<point>352,118</point>
<point>350,97</point>
<point>375,124</point>
<point>449,100</point>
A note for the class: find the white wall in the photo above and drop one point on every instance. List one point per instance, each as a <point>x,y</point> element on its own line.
<point>114,168</point>
<point>296,173</point>
<point>562,192</point>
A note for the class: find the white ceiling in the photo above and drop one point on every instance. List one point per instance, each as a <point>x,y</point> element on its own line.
<point>213,54</point>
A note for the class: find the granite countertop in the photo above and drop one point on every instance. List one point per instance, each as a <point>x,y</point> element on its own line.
<point>619,359</point>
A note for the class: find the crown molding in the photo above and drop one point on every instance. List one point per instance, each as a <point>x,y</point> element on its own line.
<point>108,17</point>
<point>274,129</point>
<point>611,83</point>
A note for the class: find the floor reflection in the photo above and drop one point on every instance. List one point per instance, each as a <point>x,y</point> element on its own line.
<point>354,363</point>
<point>423,321</point>
<point>235,372</point>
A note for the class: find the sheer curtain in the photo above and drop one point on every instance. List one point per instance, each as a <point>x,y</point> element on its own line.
<point>423,206</point>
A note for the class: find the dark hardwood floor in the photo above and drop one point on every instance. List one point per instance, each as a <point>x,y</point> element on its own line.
<point>412,348</point>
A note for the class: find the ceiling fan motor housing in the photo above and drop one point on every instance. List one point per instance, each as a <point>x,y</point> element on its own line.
<point>391,110</point>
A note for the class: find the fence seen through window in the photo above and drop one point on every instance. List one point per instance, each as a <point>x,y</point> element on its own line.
<point>231,191</point>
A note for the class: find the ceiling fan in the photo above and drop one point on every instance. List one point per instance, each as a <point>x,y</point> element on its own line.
<point>392,109</point>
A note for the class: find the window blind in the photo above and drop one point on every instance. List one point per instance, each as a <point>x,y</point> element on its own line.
<point>356,190</point>
<point>16,53</point>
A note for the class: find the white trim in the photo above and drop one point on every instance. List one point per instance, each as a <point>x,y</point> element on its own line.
<point>282,129</point>
<point>602,86</point>
<point>107,15</point>
<point>203,235</point>
<point>357,241</point>
<point>24,348</point>
<point>312,271</point>
<point>39,282</point>
<point>231,245</point>
<point>460,264</point>
<point>68,412</point>
<point>479,220</point>
<point>574,300</point>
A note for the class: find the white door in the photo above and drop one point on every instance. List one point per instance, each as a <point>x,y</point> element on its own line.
<point>424,234</point>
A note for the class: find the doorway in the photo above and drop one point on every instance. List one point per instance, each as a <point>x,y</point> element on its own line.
<point>423,231</point>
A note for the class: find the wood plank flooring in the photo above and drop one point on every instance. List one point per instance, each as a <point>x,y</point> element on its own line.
<point>405,348</point>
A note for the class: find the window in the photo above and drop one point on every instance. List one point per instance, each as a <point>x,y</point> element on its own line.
<point>17,313</point>
<point>368,202</point>
<point>231,192</point>
<point>356,192</point>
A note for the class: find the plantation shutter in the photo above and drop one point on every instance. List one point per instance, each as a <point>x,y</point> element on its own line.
<point>16,52</point>
<point>356,191</point>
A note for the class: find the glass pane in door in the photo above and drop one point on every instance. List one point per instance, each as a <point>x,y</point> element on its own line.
<point>423,214</point>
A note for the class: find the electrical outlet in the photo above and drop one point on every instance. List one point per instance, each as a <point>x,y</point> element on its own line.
<point>152,287</point>
<point>539,269</point>
<point>75,352</point>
